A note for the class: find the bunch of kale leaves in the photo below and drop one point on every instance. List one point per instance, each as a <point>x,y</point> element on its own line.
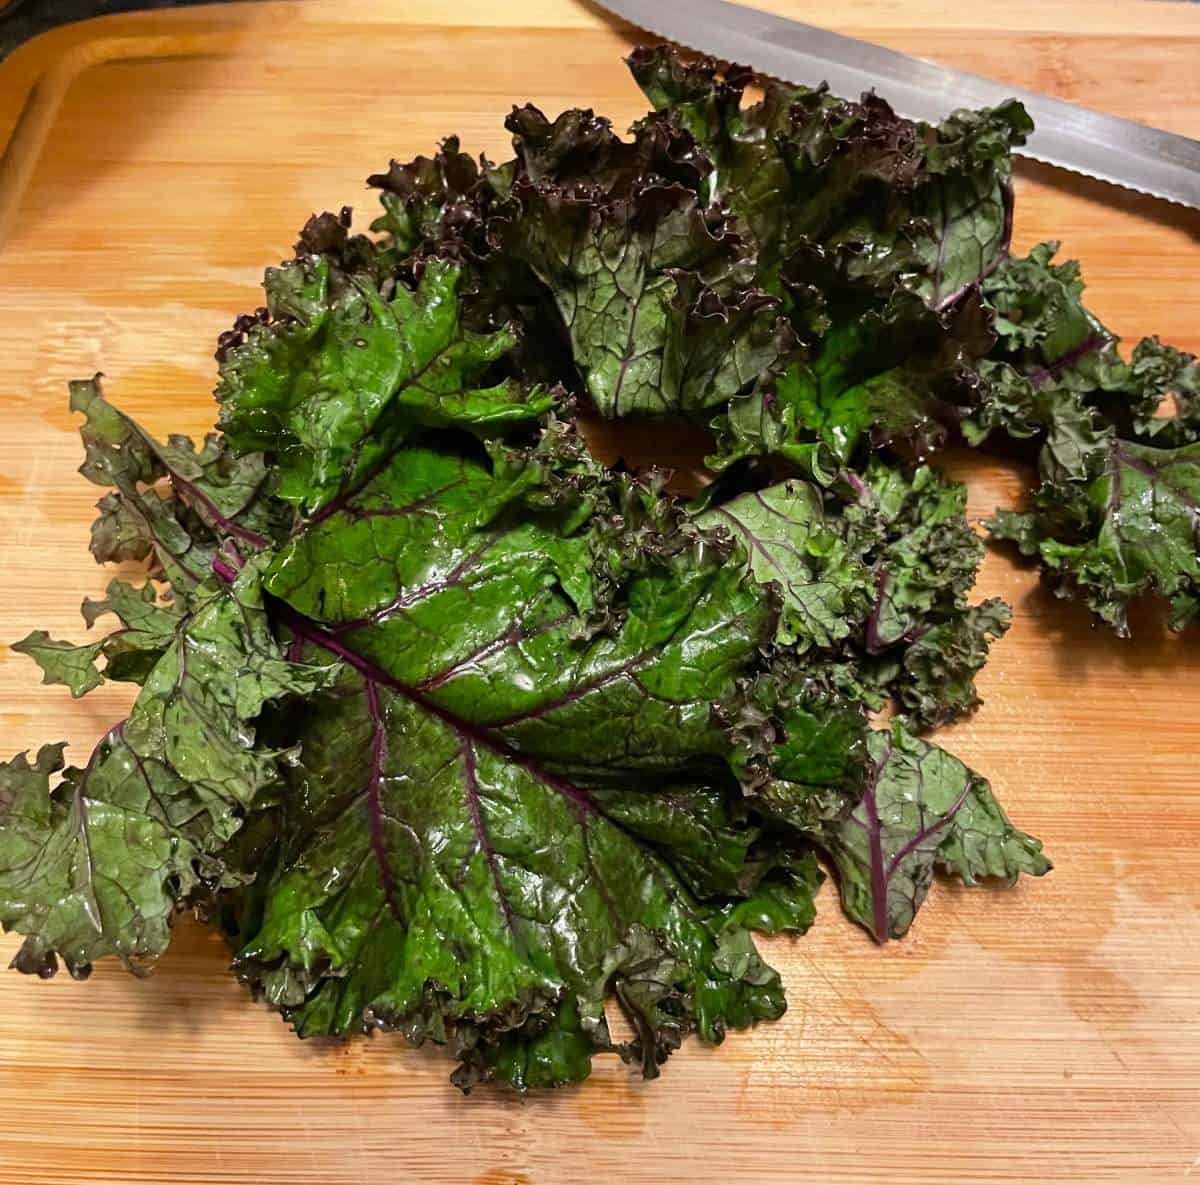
<point>456,731</point>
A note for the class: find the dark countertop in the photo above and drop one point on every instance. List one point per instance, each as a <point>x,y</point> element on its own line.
<point>22,19</point>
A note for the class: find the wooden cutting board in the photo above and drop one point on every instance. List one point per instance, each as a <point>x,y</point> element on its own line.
<point>1047,1033</point>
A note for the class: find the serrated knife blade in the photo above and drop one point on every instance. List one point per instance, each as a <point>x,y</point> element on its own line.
<point>1116,150</point>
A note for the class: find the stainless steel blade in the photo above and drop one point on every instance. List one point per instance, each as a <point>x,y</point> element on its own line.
<point>1115,150</point>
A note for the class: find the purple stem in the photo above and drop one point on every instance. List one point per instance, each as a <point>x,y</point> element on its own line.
<point>223,569</point>
<point>95,914</point>
<point>514,635</point>
<point>413,595</point>
<point>1154,474</point>
<point>856,484</point>
<point>119,730</point>
<point>340,501</point>
<point>875,644</point>
<point>1091,344</point>
<point>221,521</point>
<point>1114,493</point>
<point>312,633</point>
<point>579,691</point>
<point>882,871</point>
<point>925,832</point>
<point>158,543</point>
<point>374,804</point>
<point>471,780</point>
<point>941,303</point>
<point>879,921</point>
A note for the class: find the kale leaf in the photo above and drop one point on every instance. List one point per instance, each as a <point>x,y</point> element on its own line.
<point>1116,514</point>
<point>454,730</point>
<point>922,809</point>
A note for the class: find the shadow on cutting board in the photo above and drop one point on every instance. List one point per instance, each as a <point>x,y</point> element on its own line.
<point>1140,205</point>
<point>1081,645</point>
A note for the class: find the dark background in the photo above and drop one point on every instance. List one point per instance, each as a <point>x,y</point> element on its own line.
<point>22,19</point>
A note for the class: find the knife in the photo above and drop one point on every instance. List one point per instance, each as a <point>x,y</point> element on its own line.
<point>1072,137</point>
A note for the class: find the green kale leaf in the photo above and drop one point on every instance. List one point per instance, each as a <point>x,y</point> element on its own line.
<point>99,864</point>
<point>1131,524</point>
<point>337,378</point>
<point>1116,513</point>
<point>922,809</point>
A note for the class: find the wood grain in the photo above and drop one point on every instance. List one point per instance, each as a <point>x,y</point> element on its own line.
<point>1049,1033</point>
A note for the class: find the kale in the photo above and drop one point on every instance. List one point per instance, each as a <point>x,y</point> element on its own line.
<point>455,730</point>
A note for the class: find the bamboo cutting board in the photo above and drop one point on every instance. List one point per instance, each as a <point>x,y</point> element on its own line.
<point>1047,1033</point>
